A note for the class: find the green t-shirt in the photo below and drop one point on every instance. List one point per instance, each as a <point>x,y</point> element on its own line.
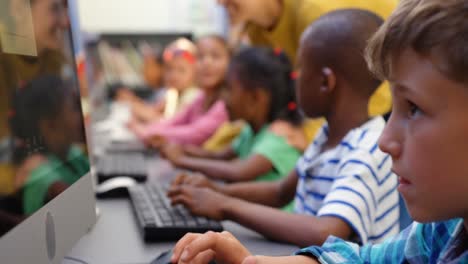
<point>54,170</point>
<point>282,156</point>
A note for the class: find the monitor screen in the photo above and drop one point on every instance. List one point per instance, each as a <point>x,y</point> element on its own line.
<point>42,139</point>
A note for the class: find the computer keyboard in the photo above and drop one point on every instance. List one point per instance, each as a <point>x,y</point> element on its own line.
<point>159,221</point>
<point>127,146</point>
<point>130,164</point>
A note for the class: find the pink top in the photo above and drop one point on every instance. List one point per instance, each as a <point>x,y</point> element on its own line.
<point>192,125</point>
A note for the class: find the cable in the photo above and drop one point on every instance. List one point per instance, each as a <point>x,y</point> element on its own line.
<point>76,260</point>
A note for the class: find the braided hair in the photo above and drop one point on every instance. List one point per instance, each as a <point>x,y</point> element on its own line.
<point>269,69</point>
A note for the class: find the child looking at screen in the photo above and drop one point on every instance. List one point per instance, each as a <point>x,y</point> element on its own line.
<point>422,51</point>
<point>343,184</point>
<point>200,119</point>
<point>261,93</point>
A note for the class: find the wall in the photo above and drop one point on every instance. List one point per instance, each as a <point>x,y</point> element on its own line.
<point>159,16</point>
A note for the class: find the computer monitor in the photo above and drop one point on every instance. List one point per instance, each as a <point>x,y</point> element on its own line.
<point>46,192</point>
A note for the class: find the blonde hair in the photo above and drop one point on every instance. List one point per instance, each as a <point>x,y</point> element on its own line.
<point>433,28</point>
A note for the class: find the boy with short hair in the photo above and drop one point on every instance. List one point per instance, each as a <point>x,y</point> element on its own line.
<point>421,49</point>
<point>343,184</point>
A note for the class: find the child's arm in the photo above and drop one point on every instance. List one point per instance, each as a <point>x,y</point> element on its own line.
<point>224,154</point>
<point>145,112</point>
<point>273,223</point>
<point>418,243</point>
<point>181,129</point>
<point>232,171</point>
<point>224,248</point>
<point>194,151</point>
<point>274,194</point>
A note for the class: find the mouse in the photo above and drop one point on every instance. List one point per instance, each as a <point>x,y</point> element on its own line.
<point>116,187</point>
<point>165,258</point>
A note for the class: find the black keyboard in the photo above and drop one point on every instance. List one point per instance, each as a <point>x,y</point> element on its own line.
<point>159,221</point>
<point>127,146</point>
<point>122,164</point>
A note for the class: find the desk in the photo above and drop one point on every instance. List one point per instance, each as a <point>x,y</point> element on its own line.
<point>116,239</point>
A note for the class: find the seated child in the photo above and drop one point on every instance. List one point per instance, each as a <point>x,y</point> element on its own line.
<point>179,80</point>
<point>261,93</point>
<point>421,49</point>
<point>46,121</point>
<point>153,71</point>
<point>200,119</point>
<point>343,184</point>
<point>179,77</point>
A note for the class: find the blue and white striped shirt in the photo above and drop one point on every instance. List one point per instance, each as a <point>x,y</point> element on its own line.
<point>440,242</point>
<point>352,181</point>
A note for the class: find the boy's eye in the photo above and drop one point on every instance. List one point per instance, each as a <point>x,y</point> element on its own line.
<point>414,110</point>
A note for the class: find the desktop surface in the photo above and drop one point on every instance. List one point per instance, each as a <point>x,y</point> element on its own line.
<point>116,239</point>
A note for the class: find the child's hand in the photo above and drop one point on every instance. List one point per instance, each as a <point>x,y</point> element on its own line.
<point>196,180</point>
<point>136,127</point>
<point>124,95</point>
<point>155,141</point>
<point>201,248</point>
<point>200,201</point>
<point>172,152</point>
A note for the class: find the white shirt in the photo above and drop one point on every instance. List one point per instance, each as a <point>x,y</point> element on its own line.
<point>352,181</point>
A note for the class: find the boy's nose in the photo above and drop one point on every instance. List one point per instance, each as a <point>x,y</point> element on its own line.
<point>388,142</point>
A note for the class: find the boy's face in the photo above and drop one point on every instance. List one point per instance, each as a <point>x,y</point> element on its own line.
<point>426,137</point>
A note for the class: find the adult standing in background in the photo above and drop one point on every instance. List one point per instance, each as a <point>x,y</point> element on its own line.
<point>280,23</point>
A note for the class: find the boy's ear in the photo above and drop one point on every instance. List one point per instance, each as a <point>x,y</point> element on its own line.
<point>329,80</point>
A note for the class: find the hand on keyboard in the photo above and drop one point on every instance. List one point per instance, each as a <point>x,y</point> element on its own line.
<point>155,141</point>
<point>204,247</point>
<point>200,201</point>
<point>195,180</point>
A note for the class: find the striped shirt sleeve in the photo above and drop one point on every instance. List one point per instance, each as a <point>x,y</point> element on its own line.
<point>352,196</point>
<point>419,243</point>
